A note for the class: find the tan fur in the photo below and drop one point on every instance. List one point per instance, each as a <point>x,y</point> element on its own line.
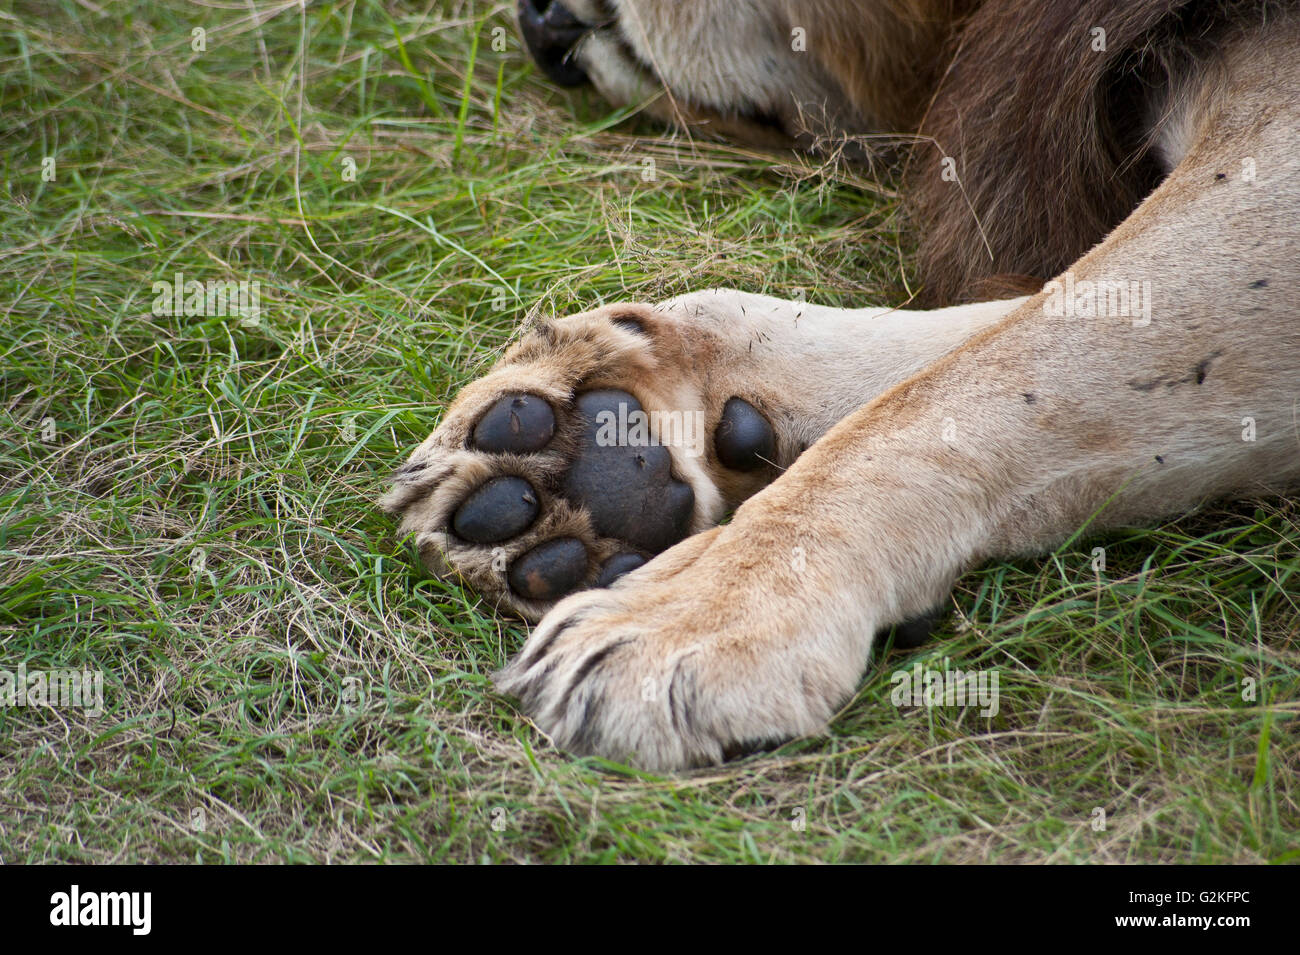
<point>938,439</point>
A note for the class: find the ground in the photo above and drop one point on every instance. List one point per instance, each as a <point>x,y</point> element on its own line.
<point>187,502</point>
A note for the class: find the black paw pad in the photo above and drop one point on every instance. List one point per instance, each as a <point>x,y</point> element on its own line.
<point>501,508</point>
<point>625,482</point>
<point>549,570</point>
<point>518,424</point>
<point>910,634</point>
<point>617,566</point>
<point>749,747</point>
<point>744,439</point>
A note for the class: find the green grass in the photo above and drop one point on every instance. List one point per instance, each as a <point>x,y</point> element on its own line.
<point>187,504</point>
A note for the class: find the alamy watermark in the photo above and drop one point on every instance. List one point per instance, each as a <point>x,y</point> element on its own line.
<point>242,299</point>
<point>927,686</point>
<point>639,429</point>
<point>83,689</point>
<point>89,907</point>
<point>1103,298</point>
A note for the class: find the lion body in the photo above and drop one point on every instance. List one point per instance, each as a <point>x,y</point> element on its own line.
<point>1150,179</point>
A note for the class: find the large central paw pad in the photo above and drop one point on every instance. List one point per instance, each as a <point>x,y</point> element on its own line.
<point>626,483</point>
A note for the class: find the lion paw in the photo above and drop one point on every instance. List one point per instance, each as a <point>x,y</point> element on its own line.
<point>593,445</point>
<point>688,662</point>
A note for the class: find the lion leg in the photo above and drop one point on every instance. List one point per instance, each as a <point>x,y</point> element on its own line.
<point>1186,388</point>
<point>602,439</point>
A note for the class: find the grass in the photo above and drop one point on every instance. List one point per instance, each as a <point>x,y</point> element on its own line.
<point>187,503</point>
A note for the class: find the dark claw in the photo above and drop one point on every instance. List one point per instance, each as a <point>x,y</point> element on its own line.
<point>744,439</point>
<point>518,424</point>
<point>631,322</point>
<point>501,508</point>
<point>910,634</point>
<point>549,570</point>
<point>627,485</point>
<point>617,566</point>
<point>750,747</point>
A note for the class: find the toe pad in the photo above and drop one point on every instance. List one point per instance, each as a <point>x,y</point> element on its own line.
<point>518,424</point>
<point>549,570</point>
<point>503,507</point>
<point>744,439</point>
<point>617,566</point>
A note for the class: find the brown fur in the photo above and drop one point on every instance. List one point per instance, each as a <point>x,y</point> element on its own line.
<point>1032,196</point>
<point>904,41</point>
